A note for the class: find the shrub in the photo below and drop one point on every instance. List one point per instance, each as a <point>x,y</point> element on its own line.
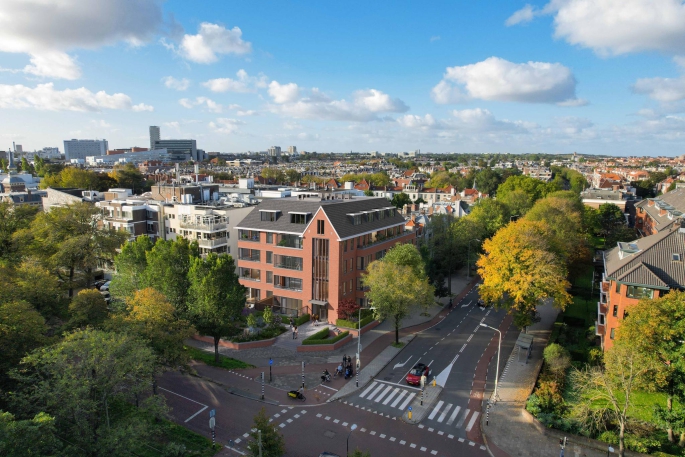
<point>348,308</point>
<point>310,341</point>
<point>645,444</point>
<point>320,335</point>
<point>350,324</point>
<point>302,319</point>
<point>268,316</point>
<point>550,398</point>
<point>251,320</point>
<point>533,405</point>
<point>595,356</point>
<point>265,334</point>
<point>557,359</point>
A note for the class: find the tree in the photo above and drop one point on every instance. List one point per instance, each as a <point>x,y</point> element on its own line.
<point>79,381</point>
<point>153,319</point>
<point>130,265</point>
<point>519,269</point>
<point>400,200</point>
<point>12,219</point>
<point>273,173</point>
<point>491,214</point>
<point>656,328</point>
<point>168,264</point>
<point>368,193</point>
<point>403,266</point>
<point>612,225</point>
<point>605,393</point>
<point>517,201</point>
<point>348,308</point>
<point>292,175</point>
<point>19,283</point>
<point>22,329</point>
<point>71,177</point>
<point>34,437</point>
<point>534,188</point>
<point>272,442</point>
<point>88,308</point>
<point>128,176</point>
<point>487,180</point>
<point>216,297</point>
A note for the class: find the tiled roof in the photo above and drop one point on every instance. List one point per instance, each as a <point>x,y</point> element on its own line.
<point>641,274</point>
<point>670,201</point>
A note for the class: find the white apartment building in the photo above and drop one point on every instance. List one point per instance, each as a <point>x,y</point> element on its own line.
<point>274,151</point>
<point>80,149</point>
<point>154,136</point>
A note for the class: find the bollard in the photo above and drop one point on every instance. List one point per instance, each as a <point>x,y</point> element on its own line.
<point>409,415</point>
<point>434,382</point>
<point>262,385</point>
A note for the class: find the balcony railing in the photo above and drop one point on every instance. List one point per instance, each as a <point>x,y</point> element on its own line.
<point>248,236</point>
<point>289,241</point>
<point>381,240</point>
<point>250,258</point>
<point>289,265</point>
<point>288,287</point>
<point>212,243</point>
<point>211,226</point>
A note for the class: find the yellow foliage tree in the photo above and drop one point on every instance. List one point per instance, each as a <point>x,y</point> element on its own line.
<point>519,270</point>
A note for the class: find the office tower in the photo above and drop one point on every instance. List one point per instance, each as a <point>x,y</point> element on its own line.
<point>154,136</point>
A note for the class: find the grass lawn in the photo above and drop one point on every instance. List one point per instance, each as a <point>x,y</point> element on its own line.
<point>208,359</point>
<point>644,403</point>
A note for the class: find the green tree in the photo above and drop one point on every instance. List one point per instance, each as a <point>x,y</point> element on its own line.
<point>272,442</point>
<point>72,177</point>
<point>487,181</point>
<point>368,193</point>
<point>518,202</point>
<point>292,175</point>
<point>19,283</point>
<point>168,264</point>
<point>130,265</point>
<point>216,297</point>
<point>612,225</point>
<point>379,179</point>
<point>534,188</point>
<point>491,214</point>
<point>12,219</point>
<point>22,329</point>
<point>35,437</point>
<point>88,308</point>
<point>400,200</point>
<point>401,265</point>
<point>273,173</point>
<point>26,167</point>
<point>128,176</point>
<point>85,382</point>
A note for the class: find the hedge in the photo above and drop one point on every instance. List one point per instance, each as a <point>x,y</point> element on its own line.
<point>320,335</point>
<point>302,319</point>
<point>310,341</point>
<point>349,324</point>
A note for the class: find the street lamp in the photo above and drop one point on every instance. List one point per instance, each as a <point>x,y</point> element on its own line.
<point>468,258</point>
<point>359,342</point>
<point>353,428</point>
<point>499,348</point>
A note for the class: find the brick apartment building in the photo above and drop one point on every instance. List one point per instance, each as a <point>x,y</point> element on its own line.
<point>305,254</point>
<point>656,214</point>
<point>646,268</point>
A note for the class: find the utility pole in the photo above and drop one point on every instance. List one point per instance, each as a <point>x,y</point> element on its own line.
<point>262,385</point>
<point>259,435</point>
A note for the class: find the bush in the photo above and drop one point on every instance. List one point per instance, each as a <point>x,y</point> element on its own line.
<point>557,359</point>
<point>302,319</point>
<point>645,444</point>
<point>350,324</point>
<point>310,341</point>
<point>320,335</point>
<point>265,334</point>
<point>549,397</point>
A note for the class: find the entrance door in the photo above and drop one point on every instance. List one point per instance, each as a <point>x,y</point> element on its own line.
<point>322,311</point>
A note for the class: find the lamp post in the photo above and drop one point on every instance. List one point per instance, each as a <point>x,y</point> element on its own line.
<point>499,347</point>
<point>468,258</point>
<point>352,428</point>
<point>359,343</point>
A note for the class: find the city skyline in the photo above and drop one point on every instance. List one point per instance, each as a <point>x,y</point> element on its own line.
<point>503,77</point>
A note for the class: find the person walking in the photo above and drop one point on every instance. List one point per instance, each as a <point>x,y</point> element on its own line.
<point>296,332</point>
<point>293,329</point>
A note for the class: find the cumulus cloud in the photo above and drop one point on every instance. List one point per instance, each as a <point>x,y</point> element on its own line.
<point>501,80</point>
<point>248,112</point>
<point>226,125</point>
<point>661,89</point>
<point>210,104</point>
<point>471,121</point>
<point>211,41</point>
<point>45,30</point>
<point>377,101</point>
<point>45,97</point>
<point>283,93</point>
<point>177,84</point>
<point>243,84</point>
<point>614,27</point>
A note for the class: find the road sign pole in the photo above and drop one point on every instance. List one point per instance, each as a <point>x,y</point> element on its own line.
<point>421,396</point>
<point>262,385</point>
<point>271,362</point>
<point>212,424</point>
<point>302,375</point>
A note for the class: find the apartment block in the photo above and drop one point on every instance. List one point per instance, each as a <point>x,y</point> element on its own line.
<point>654,215</point>
<point>305,254</point>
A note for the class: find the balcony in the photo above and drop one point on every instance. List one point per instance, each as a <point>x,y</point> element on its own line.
<point>290,241</point>
<point>255,257</point>
<point>248,235</point>
<point>382,239</point>
<point>289,265</point>
<point>204,226</point>
<point>249,274</point>
<point>212,243</point>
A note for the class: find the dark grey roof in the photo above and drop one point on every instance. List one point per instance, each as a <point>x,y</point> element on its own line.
<point>653,264</point>
<point>673,202</point>
<point>336,211</point>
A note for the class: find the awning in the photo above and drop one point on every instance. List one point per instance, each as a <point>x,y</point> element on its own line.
<point>319,302</point>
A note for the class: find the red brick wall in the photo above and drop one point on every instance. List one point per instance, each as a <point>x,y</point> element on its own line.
<point>623,303</point>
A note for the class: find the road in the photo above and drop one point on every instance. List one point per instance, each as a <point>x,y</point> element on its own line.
<point>452,348</point>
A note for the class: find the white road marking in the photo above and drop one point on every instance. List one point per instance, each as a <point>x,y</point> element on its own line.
<point>444,412</point>
<point>472,421</point>
<point>390,397</point>
<point>406,402</point>
<point>463,418</point>
<point>363,394</point>
<point>375,392</point>
<point>469,338</point>
<point>400,365</point>
<point>385,392</point>
<point>462,348</point>
<point>454,415</point>
<point>435,410</point>
<point>398,399</point>
<point>196,413</point>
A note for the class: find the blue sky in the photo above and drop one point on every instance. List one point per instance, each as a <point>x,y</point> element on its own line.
<point>492,76</point>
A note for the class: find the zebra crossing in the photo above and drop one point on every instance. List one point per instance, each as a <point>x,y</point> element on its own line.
<point>398,397</point>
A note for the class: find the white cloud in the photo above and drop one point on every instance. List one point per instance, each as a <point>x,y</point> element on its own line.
<point>45,97</point>
<point>226,125</point>
<point>101,123</point>
<point>46,29</point>
<point>210,104</point>
<point>523,15</point>
<point>213,40</point>
<point>244,83</point>
<point>435,38</point>
<point>283,93</point>
<point>292,126</point>
<point>661,89</point>
<point>248,112</point>
<point>501,80</point>
<point>412,121</point>
<point>377,101</point>
<point>53,64</point>
<point>173,125</point>
<point>177,84</point>
<point>467,121</point>
<point>613,27</point>
<point>572,102</point>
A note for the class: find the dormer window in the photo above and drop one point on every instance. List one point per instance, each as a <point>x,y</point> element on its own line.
<point>675,257</point>
<point>268,215</point>
<point>299,218</point>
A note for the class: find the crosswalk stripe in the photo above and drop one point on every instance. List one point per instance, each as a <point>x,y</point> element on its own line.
<point>392,394</point>
<point>454,415</point>
<point>472,421</point>
<point>375,392</point>
<point>435,410</point>
<point>406,402</point>
<point>463,418</point>
<point>398,399</point>
<point>444,412</point>
<point>385,392</point>
<point>375,383</point>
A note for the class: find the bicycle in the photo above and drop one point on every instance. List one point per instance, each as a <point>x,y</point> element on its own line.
<point>296,394</point>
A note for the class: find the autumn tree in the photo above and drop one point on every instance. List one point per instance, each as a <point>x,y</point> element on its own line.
<point>13,218</point>
<point>128,176</point>
<point>216,297</point>
<point>348,308</point>
<point>88,308</point>
<point>402,265</point>
<point>72,177</point>
<point>22,329</point>
<point>19,283</point>
<point>519,270</point>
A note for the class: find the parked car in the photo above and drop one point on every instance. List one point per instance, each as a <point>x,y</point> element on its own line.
<point>106,296</point>
<point>414,375</point>
<point>328,454</point>
<point>99,283</point>
<point>105,287</point>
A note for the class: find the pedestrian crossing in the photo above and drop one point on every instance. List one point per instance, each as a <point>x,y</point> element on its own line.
<point>394,396</point>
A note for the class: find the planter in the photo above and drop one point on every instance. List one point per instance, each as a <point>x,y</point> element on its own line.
<point>354,332</point>
<point>325,347</point>
<point>237,346</point>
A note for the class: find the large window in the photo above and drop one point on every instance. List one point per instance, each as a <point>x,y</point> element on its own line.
<point>291,263</point>
<point>320,228</point>
<point>296,218</point>
<point>639,292</point>
<point>290,241</point>
<point>250,274</point>
<point>253,255</point>
<point>268,216</point>
<point>284,282</point>
<point>290,306</point>
<point>248,235</point>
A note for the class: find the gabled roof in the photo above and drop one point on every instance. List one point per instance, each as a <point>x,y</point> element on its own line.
<point>641,274</point>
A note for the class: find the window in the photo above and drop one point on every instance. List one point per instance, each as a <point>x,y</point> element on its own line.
<point>639,292</point>
<point>269,238</point>
<point>320,228</point>
<point>351,287</point>
<point>360,263</point>
<point>269,277</point>
<point>344,288</point>
<point>611,335</point>
<point>618,287</point>
<point>676,257</point>
<point>345,266</point>
<point>269,294</point>
<point>269,257</point>
<point>345,246</point>
<point>298,218</point>
<point>267,216</point>
<point>615,311</point>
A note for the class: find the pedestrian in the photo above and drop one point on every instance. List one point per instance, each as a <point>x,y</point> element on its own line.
<point>296,332</point>
<point>344,364</point>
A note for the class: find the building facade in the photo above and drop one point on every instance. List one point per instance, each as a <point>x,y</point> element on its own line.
<point>188,147</point>
<point>80,149</point>
<point>305,254</point>
<point>154,136</point>
<point>653,215</point>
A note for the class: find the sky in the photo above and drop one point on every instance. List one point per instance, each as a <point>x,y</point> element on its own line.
<point>586,76</point>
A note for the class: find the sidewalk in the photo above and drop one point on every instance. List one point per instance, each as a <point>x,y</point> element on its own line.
<point>511,431</point>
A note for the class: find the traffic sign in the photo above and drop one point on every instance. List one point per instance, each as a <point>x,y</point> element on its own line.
<point>410,408</point>
<point>212,422</point>
<point>271,361</point>
<point>212,412</point>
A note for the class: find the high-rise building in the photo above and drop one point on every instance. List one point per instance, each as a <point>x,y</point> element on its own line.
<point>80,149</point>
<point>182,147</point>
<point>275,151</point>
<point>154,136</point>
<point>292,150</point>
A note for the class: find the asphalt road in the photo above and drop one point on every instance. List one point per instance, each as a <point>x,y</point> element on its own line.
<point>452,348</point>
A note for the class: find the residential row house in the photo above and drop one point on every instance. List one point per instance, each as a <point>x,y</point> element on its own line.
<point>653,215</point>
<point>306,254</point>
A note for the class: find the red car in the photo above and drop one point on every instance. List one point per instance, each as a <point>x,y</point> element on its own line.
<point>414,375</point>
